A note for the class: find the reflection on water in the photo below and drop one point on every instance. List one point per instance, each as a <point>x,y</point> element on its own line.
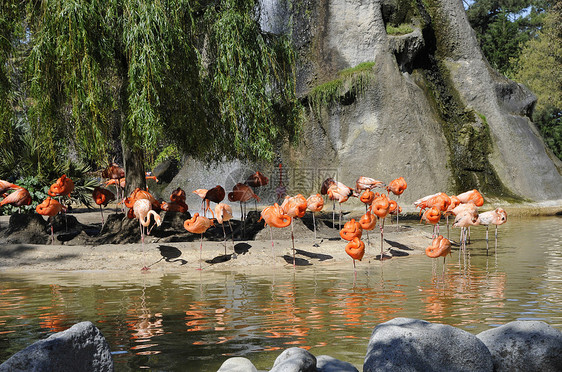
<point>197,320</point>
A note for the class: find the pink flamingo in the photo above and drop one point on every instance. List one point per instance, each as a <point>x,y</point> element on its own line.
<point>142,209</point>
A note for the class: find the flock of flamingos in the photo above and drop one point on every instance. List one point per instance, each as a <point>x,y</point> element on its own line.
<point>142,206</point>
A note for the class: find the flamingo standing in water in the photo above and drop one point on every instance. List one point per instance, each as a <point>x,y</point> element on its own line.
<point>352,232</point>
<point>274,216</point>
<point>432,216</point>
<point>355,249</point>
<point>440,247</point>
<point>223,213</point>
<point>441,201</point>
<point>101,197</point>
<point>471,210</point>
<point>496,217</point>
<point>368,222</point>
<point>294,207</point>
<point>142,209</point>
<point>464,219</point>
<point>314,203</point>
<point>472,196</point>
<point>198,225</point>
<point>380,208</point>
<point>449,211</point>
<point>50,208</point>
<point>397,187</point>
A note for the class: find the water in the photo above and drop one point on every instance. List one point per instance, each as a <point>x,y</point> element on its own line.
<point>195,321</point>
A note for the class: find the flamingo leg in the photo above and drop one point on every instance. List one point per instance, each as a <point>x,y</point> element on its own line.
<point>102,221</point>
<point>339,227</point>
<point>271,236</point>
<point>293,240</point>
<point>200,252</point>
<point>52,233</point>
<point>143,251</point>
<point>382,238</point>
<point>224,234</point>
<point>447,220</point>
<point>354,264</point>
<point>486,240</point>
<point>314,223</point>
<point>333,213</point>
<point>232,233</point>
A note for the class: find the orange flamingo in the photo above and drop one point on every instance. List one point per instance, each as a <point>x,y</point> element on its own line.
<point>367,198</point>
<point>49,207</point>
<point>138,194</point>
<point>397,187</point>
<point>472,196</point>
<point>274,216</point>
<point>350,230</point>
<point>294,207</point>
<point>101,197</point>
<point>17,198</point>
<point>449,211</point>
<point>198,225</point>
<point>355,249</point>
<point>380,208</point>
<point>62,187</point>
<point>432,216</point>
<point>439,200</point>
<point>314,203</point>
<point>440,247</point>
<point>368,222</point>
<point>177,202</point>
<point>223,213</point>
<point>142,209</point>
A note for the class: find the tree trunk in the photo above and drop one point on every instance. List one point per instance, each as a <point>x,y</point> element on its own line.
<point>134,169</point>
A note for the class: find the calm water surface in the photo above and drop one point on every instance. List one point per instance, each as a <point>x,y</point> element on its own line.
<point>194,321</point>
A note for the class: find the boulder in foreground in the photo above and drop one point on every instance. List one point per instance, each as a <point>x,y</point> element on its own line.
<point>404,344</point>
<point>82,347</point>
<point>524,346</point>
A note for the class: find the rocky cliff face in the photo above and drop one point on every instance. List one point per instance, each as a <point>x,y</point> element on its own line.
<point>425,105</point>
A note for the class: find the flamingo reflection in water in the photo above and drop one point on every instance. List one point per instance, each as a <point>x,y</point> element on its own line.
<point>144,325</point>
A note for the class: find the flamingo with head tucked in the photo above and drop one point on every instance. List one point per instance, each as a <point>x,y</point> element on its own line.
<point>49,207</point>
<point>496,217</point>
<point>102,197</point>
<point>355,249</point>
<point>397,187</point>
<point>198,225</point>
<point>294,207</point>
<point>223,213</point>
<point>314,203</point>
<point>380,207</point>
<point>274,216</point>
<point>440,247</point>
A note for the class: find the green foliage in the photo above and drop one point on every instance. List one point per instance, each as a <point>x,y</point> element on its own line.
<point>352,81</point>
<point>540,69</point>
<point>402,29</point>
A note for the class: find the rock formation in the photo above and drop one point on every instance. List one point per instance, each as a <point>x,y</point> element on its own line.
<point>425,105</point>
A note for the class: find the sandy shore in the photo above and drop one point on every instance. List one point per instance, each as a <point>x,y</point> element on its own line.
<point>245,255</point>
<point>242,255</point>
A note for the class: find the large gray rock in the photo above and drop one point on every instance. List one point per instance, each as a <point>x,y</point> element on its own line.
<point>524,346</point>
<point>404,344</point>
<point>237,364</point>
<point>295,359</point>
<point>326,363</point>
<point>82,348</point>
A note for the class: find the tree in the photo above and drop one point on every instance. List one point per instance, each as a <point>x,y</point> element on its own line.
<point>199,74</point>
<point>540,68</point>
<point>502,26</point>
